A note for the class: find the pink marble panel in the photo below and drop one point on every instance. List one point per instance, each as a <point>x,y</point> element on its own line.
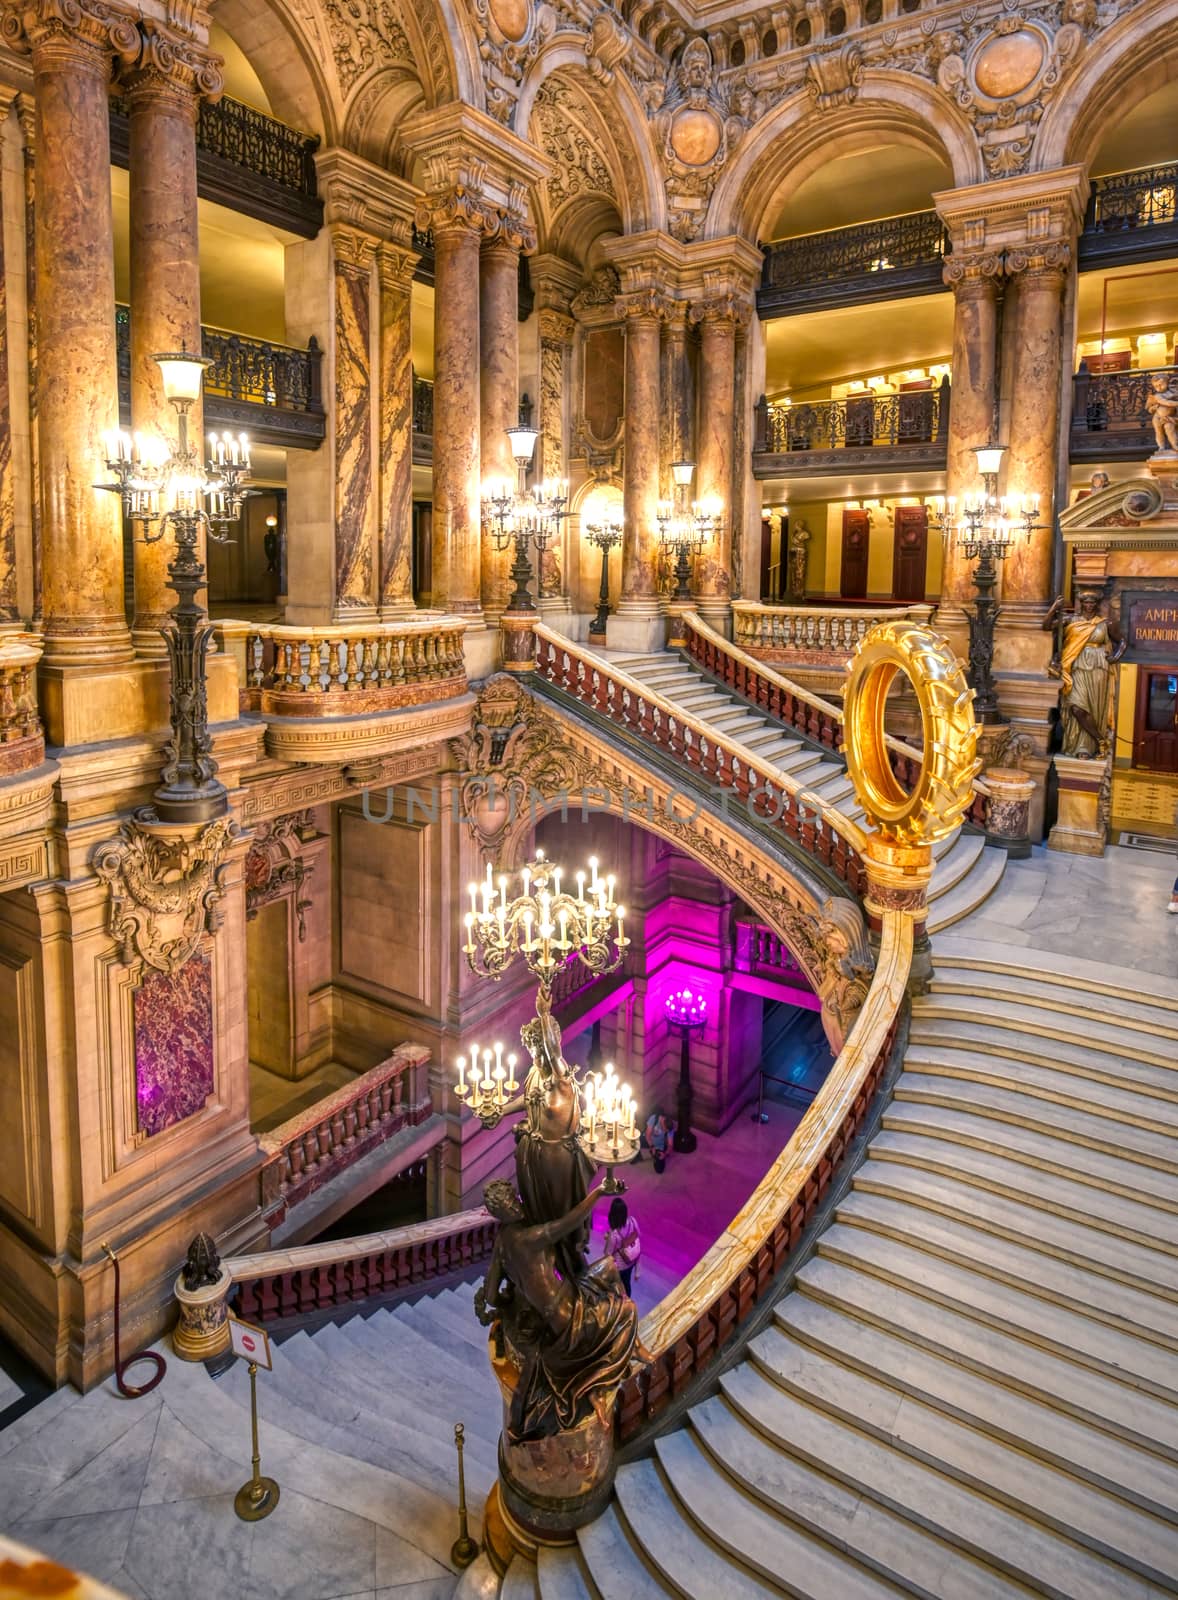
<point>173,1044</point>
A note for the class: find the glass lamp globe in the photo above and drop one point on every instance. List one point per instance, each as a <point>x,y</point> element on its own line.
<point>183,375</point>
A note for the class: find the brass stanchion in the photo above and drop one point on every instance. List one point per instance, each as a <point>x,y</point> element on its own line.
<point>464,1549</point>
<point>257,1498</point>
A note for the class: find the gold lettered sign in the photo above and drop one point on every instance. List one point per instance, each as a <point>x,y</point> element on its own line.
<point>1149,622</point>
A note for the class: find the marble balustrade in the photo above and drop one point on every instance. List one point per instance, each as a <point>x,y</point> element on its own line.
<point>22,739</point>
<point>342,669</point>
<point>809,635</point>
<point>316,1144</point>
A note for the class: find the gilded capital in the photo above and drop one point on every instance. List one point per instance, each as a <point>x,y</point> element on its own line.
<point>396,267</point>
<point>556,327</point>
<point>725,308</point>
<point>1050,259</point>
<point>977,270</point>
<point>171,65</point>
<point>77,34</point>
<point>643,305</point>
<point>354,251</point>
<point>459,208</point>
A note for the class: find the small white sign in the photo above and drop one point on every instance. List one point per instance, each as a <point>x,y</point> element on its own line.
<point>250,1343</point>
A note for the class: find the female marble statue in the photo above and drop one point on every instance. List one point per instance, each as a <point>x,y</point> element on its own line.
<point>1086,647</point>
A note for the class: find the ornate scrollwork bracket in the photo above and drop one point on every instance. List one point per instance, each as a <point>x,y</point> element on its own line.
<point>165,889</point>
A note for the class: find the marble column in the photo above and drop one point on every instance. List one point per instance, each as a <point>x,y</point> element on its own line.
<point>678,386</point>
<point>975,281</point>
<point>26,111</point>
<point>1036,331</point>
<point>77,400</point>
<point>498,399</point>
<point>353,253</point>
<point>458,224</point>
<point>9,600</point>
<point>395,267</point>
<point>643,313</point>
<point>556,344</point>
<point>718,320</point>
<point>163,91</point>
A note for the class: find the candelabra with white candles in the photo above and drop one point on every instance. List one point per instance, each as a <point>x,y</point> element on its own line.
<point>523,517</point>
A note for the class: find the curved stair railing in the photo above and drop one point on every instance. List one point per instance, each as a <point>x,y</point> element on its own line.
<point>772,796</point>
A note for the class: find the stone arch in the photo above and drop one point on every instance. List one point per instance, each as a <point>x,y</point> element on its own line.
<point>288,53</point>
<point>897,106</point>
<point>1128,61</point>
<point>617,115</point>
<point>578,225</point>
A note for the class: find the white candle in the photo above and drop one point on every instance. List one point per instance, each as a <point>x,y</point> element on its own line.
<point>593,869</point>
<point>474,899</point>
<point>461,1075</point>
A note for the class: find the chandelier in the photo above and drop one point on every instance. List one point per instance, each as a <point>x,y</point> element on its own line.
<point>686,530</point>
<point>527,518</point>
<point>544,923</point>
<point>170,490</point>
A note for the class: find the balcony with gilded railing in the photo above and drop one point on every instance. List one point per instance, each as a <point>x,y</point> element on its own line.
<point>245,160</point>
<point>22,738</point>
<point>271,391</point>
<point>893,432</point>
<point>334,691</point>
<point>810,636</point>
<point>1110,416</point>
<point>306,1152</point>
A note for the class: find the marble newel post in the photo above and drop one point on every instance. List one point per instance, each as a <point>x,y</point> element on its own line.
<point>634,622</point>
<point>1038,276</point>
<point>498,395</point>
<point>163,91</point>
<point>975,281</point>
<point>353,253</point>
<point>76,363</point>
<point>718,317</point>
<point>458,225</point>
<point>395,266</point>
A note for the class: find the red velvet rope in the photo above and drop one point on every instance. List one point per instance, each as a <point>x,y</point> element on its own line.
<point>128,1390</point>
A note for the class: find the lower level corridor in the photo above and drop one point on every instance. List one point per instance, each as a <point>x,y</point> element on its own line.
<point>971,1389</point>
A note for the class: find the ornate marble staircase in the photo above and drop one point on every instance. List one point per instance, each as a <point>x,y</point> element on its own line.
<point>967,869</point>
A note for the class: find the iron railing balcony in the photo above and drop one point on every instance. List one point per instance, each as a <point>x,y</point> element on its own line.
<point>271,391</point>
<point>888,259</point>
<point>894,431</point>
<point>423,422</point>
<point>1110,421</point>
<point>1131,216</point>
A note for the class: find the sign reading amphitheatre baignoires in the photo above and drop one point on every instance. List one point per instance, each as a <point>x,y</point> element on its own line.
<point>1149,622</point>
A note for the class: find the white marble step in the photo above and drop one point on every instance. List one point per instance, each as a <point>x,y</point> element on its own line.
<point>980,1521</point>
<point>699,1534</point>
<point>1133,1221</point>
<point>561,1575</point>
<point>955,863</point>
<point>744,1444</point>
<point>1109,1036</point>
<point>1037,1147</point>
<point>415,1361</point>
<point>1075,1068</point>
<point>849,1344</point>
<point>1006,1358</point>
<point>454,1328</point>
<point>1112,1256</point>
<point>615,1561</point>
<point>1092,977</point>
<point>1048,994</point>
<point>1071,1334</point>
<point>966,896</point>
<point>519,1581</point>
<point>1090,1130</point>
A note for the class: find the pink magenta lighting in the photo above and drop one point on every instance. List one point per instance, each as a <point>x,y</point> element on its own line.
<point>686,1008</point>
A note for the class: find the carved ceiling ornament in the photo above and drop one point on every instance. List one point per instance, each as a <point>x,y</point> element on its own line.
<point>579,167</point>
<point>164,891</point>
<point>365,36</point>
<point>274,865</point>
<point>511,33</point>
<point>834,74</point>
<point>696,129</point>
<point>519,755</point>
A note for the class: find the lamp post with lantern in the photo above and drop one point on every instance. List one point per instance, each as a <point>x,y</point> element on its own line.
<point>606,534</point>
<point>686,1010</point>
<point>685,530</point>
<point>524,517</point>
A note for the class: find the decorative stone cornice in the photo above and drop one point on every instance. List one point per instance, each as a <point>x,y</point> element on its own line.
<point>82,34</point>
<point>1046,260</point>
<point>643,305</point>
<point>1011,218</point>
<point>354,250</point>
<point>362,195</point>
<point>396,266</point>
<point>973,270</point>
<point>173,65</point>
<point>556,327</point>
<point>723,307</point>
<point>473,167</point>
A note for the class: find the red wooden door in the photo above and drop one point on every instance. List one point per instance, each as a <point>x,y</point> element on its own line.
<point>1155,735</point>
<point>856,540</point>
<point>910,553</point>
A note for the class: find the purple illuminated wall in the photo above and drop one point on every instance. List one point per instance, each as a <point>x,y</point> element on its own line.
<point>173,1044</point>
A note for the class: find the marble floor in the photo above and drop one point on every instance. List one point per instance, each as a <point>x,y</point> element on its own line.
<point>274,1098</point>
<point>1085,906</point>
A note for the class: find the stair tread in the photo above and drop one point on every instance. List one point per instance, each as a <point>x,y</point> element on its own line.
<point>397,1340</point>
<point>1029,1552</point>
<point>1151,1093</point>
<point>1003,1357</point>
<point>955,863</point>
<point>1048,992</point>
<point>433,1396</point>
<point>1130,1179</point>
<point>615,1562</point>
<point>1010,1016</point>
<point>1078,1338</point>
<point>1098,1131</point>
<point>1032,1186</point>
<point>519,1581</point>
<point>1014,1219</point>
<point>984,1404</point>
<point>932,1029</point>
<point>884,1540</point>
<point>960,949</point>
<point>560,1575</point>
<point>977,885</point>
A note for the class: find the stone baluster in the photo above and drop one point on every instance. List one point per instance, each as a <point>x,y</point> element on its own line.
<point>72,49</point>
<point>163,90</point>
<point>395,268</point>
<point>353,254</point>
